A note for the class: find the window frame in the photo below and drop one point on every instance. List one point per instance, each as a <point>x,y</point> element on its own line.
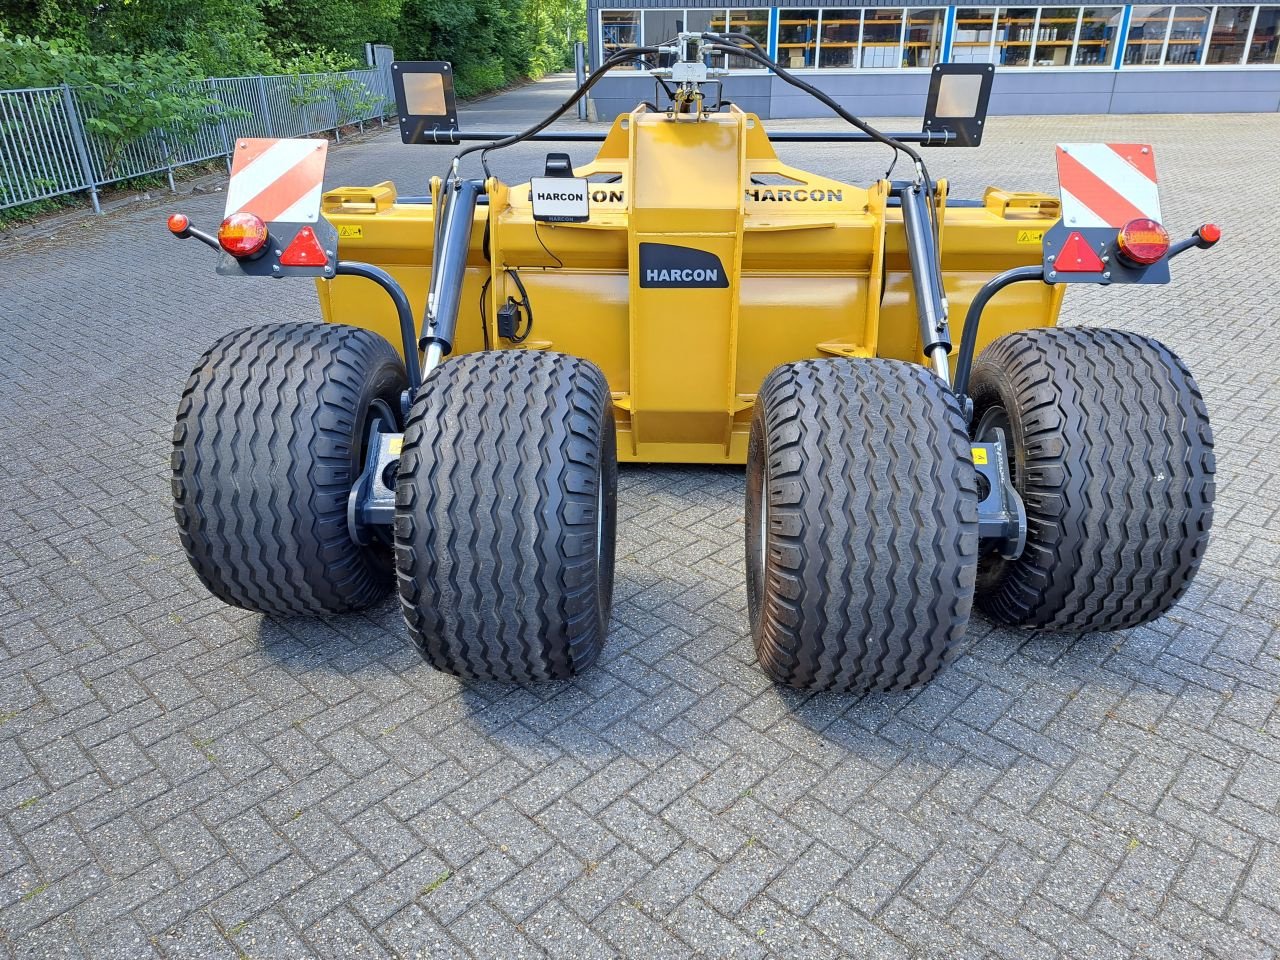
<point>1202,63</point>
<point>1243,62</point>
<point>1253,31</point>
<point>949,26</point>
<point>1115,43</point>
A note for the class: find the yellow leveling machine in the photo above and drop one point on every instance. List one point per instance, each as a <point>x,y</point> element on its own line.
<point>884,359</point>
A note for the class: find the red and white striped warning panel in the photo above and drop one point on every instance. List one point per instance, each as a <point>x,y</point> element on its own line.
<point>277,180</point>
<point>1107,184</point>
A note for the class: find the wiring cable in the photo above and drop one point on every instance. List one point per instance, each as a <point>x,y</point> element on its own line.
<point>484,316</point>
<point>522,302</point>
<point>537,232</point>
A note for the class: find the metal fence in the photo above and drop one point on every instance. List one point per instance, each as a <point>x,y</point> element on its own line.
<point>47,149</point>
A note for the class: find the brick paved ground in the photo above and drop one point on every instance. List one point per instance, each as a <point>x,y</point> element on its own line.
<point>184,779</point>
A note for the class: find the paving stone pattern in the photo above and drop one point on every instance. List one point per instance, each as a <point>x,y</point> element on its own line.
<point>183,779</point>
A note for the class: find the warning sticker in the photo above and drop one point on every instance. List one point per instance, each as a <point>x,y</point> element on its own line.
<point>980,456</point>
<point>1024,236</point>
<point>353,231</point>
<point>1107,184</point>
<point>396,444</point>
<point>278,180</point>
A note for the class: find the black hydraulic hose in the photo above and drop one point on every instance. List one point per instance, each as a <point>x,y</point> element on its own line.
<point>755,52</point>
<point>632,54</point>
<point>404,313</point>
<point>969,337</point>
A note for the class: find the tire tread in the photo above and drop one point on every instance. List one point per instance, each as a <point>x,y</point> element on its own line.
<point>870,571</point>
<point>496,515</point>
<point>262,465</point>
<point>1117,476</point>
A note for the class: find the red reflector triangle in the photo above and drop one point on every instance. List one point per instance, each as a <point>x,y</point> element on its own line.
<point>305,251</point>
<point>1076,256</point>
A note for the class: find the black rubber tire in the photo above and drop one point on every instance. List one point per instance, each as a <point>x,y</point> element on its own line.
<point>860,575</point>
<point>506,516</point>
<point>1112,454</point>
<point>268,443</point>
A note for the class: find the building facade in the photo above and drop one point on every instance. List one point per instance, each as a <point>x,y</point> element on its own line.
<point>875,59</point>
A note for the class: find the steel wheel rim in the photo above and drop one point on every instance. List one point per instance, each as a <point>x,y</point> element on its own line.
<point>996,417</point>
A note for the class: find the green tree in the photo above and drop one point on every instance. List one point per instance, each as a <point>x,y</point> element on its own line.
<point>219,36</point>
<point>490,42</point>
<point>325,25</point>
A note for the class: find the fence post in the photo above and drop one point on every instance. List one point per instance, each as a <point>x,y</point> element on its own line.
<point>168,158</point>
<point>337,120</point>
<point>266,107</point>
<point>216,94</point>
<point>82,147</point>
<point>580,74</point>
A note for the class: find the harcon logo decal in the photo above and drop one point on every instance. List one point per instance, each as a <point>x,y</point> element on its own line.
<point>817,196</point>
<point>667,265</point>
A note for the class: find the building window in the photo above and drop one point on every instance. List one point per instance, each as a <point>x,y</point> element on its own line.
<point>798,38</point>
<point>841,30</point>
<point>1148,28</point>
<point>845,38</point>
<point>619,29</point>
<point>922,46</point>
<point>1186,36</point>
<point>1230,33</point>
<point>662,26</point>
<point>881,37</point>
<point>972,40</point>
<point>1055,36</point>
<point>1016,35</point>
<point>1096,43</point>
<point>754,23</point>
<point>1263,47</point>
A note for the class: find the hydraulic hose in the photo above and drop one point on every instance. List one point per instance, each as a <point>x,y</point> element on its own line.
<point>629,55</point>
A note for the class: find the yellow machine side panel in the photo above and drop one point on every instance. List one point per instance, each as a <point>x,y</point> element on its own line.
<point>976,245</point>
<point>816,268</point>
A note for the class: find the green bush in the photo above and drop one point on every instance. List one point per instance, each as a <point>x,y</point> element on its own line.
<point>491,42</point>
<point>123,99</point>
<point>138,66</point>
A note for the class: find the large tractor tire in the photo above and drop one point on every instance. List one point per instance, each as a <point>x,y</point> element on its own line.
<point>505,516</point>
<point>862,525</point>
<point>270,439</point>
<point>1111,451</point>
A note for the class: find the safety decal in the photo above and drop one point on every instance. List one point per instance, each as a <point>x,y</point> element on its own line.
<point>1107,184</point>
<point>1031,236</point>
<point>277,180</point>
<point>979,456</point>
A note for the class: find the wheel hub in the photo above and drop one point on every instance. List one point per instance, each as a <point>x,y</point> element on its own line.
<point>1002,516</point>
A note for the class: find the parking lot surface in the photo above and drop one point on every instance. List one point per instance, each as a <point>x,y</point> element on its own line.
<point>184,779</point>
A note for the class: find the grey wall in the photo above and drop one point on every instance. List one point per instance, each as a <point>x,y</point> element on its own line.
<point>1202,91</point>
<point>1014,93</point>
